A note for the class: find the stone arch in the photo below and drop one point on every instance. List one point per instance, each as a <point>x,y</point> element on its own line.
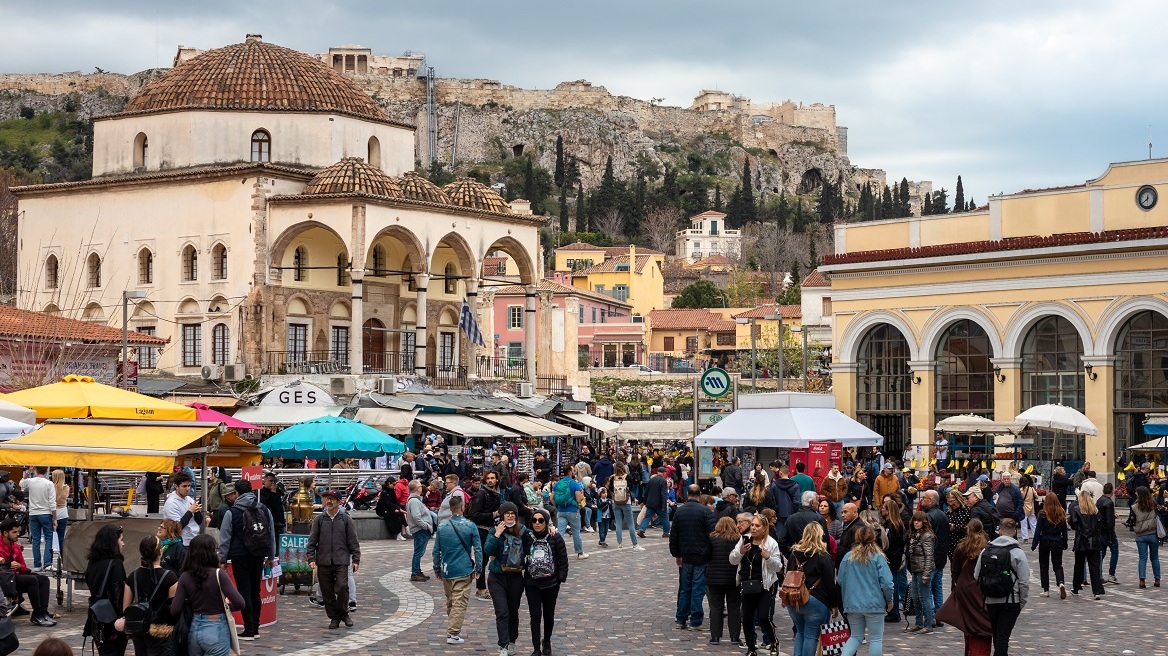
<point>189,306</point>
<point>218,304</point>
<point>141,145</point>
<point>1114,318</point>
<point>52,308</point>
<point>93,312</point>
<point>515,249</point>
<point>144,310</point>
<point>937,324</point>
<point>1022,321</point>
<point>298,306</point>
<point>409,313</point>
<point>281,244</point>
<point>447,317</point>
<point>857,328</point>
<point>415,252</point>
<point>811,181</point>
<point>341,310</point>
<point>463,254</point>
<point>374,152</point>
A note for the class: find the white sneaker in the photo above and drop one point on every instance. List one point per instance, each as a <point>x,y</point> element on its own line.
<point>454,639</point>
<point>1044,593</point>
<point>511,650</point>
<point>637,547</point>
<point>581,556</point>
<point>503,651</point>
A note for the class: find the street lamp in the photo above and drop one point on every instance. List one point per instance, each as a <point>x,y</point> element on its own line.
<point>126,296</point>
<point>799,329</point>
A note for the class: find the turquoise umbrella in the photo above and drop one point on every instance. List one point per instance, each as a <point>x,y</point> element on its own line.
<point>330,437</point>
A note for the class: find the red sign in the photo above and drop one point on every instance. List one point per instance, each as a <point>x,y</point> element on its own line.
<point>268,589</point>
<point>253,475</point>
<point>817,459</point>
<point>796,456</point>
<point>837,454</point>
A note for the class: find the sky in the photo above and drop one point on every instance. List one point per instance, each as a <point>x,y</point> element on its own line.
<point>1009,95</point>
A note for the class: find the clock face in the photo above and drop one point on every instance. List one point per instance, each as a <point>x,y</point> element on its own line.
<point>1146,197</point>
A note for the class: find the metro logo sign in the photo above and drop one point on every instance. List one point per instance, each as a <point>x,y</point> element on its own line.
<point>715,382</point>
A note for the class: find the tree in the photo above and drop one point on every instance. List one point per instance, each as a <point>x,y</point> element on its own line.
<point>606,195</point>
<point>438,174</point>
<point>793,294</point>
<point>741,209</point>
<point>564,225</point>
<point>560,171</point>
<point>940,201</point>
<point>887,206</point>
<point>718,198</point>
<point>743,289</point>
<point>529,184</point>
<point>610,222</point>
<point>959,197</point>
<point>927,208</point>
<point>659,228</point>
<point>701,294</point>
<point>903,205</point>
<point>972,205</point>
<point>581,211</point>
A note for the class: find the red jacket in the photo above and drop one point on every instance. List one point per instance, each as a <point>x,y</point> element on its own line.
<point>402,490</point>
<point>13,552</point>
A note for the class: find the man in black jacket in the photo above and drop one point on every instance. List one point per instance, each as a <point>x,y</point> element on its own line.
<point>798,522</point>
<point>732,475</point>
<point>484,508</point>
<point>784,493</point>
<point>728,505</point>
<point>851,521</point>
<point>1106,505</point>
<point>273,498</point>
<point>655,503</point>
<point>688,540</point>
<point>931,503</point>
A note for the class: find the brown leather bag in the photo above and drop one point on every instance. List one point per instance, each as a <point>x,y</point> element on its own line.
<point>794,593</point>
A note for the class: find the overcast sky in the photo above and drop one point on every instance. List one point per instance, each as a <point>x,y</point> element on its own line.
<point>1007,94</point>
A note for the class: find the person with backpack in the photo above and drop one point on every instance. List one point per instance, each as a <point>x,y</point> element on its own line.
<point>965,608</point>
<point>105,577</point>
<point>1050,538</point>
<point>1088,526</point>
<point>921,551</point>
<point>819,593</point>
<point>545,569</point>
<point>247,539</point>
<point>332,549</point>
<point>568,495</point>
<point>146,610</point>
<point>504,555</point>
<point>458,560</point>
<point>621,488</point>
<point>484,508</point>
<point>1003,575</point>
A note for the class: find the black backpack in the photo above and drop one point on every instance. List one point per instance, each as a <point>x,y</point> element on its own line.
<point>997,576</point>
<point>257,536</point>
<point>138,615</point>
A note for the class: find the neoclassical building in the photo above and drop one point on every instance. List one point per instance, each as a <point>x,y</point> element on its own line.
<point>1045,296</point>
<point>266,210</point>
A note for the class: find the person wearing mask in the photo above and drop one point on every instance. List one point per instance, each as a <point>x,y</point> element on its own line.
<point>484,508</point>
<point>851,523</point>
<point>182,507</point>
<point>420,523</point>
<point>965,608</point>
<point>389,510</point>
<point>688,540</point>
<point>332,549</point>
<point>105,577</point>
<point>1004,611</point>
<point>149,584</point>
<point>27,582</point>
<point>1106,504</point>
<point>1144,512</point>
<point>203,585</point>
<point>895,536</point>
<point>249,521</point>
<point>505,585</point>
<point>656,504</point>
<point>722,588</point>
<point>272,497</point>
<point>834,488</point>
<point>810,556</point>
<point>545,570</point>
<point>865,581</point>
<point>458,560</point>
<point>1088,526</point>
<point>1050,538</point>
<point>759,561</point>
<point>41,498</point>
<point>921,551</point>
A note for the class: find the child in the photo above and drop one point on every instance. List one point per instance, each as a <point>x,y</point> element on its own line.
<point>604,512</point>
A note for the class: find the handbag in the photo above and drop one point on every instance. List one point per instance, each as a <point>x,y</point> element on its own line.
<point>102,611</point>
<point>230,615</point>
<point>751,586</point>
<point>794,592</point>
<point>833,634</point>
<point>1160,532</point>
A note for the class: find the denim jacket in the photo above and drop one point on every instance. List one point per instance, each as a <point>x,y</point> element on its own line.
<point>458,553</point>
<point>866,588</point>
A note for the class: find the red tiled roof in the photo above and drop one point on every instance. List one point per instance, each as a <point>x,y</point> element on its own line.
<point>787,311</point>
<point>581,246</point>
<point>815,279</point>
<point>609,265</point>
<point>40,325</point>
<point>723,326</point>
<point>713,260</point>
<point>549,285</point>
<point>685,319</point>
<point>708,213</point>
<point>1008,244</point>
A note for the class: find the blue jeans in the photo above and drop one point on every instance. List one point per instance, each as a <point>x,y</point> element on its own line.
<point>807,620</point>
<point>875,624</point>
<point>587,516</point>
<point>602,526</point>
<point>1114,546</point>
<point>62,522</point>
<point>623,514</point>
<point>565,518</point>
<point>691,589</point>
<point>923,599</point>
<point>209,638</point>
<point>937,589</point>
<point>899,587</point>
<point>1149,545</point>
<point>420,540</point>
<point>41,526</point>
<point>650,513</point>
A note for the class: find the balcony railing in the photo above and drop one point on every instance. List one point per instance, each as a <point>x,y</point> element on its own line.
<point>389,362</point>
<point>452,377</point>
<point>505,368</point>
<point>307,362</point>
<point>552,385</point>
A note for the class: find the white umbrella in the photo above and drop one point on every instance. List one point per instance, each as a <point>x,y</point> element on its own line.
<point>977,425</point>
<point>10,410</point>
<point>1055,416</point>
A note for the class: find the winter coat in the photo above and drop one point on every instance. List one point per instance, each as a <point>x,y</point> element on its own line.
<point>857,493</point>
<point>883,485</point>
<point>940,523</point>
<point>231,545</point>
<point>1059,485</point>
<point>785,495</point>
<point>770,568</point>
<point>493,550</point>
<point>689,533</point>
<point>920,554</point>
<point>987,514</point>
<point>1088,535</point>
<point>1145,523</point>
<point>1106,506</point>
<point>655,493</point>
<point>959,518</point>
<point>732,477</point>
<point>483,507</point>
<point>896,544</point>
<point>867,587</point>
<point>819,575</point>
<point>847,539</point>
<point>834,490</point>
<point>457,550</point>
<point>332,540</point>
<point>559,553</point>
<point>603,469</point>
<point>1021,568</point>
<point>719,569</point>
<point>965,608</point>
<point>1055,534</point>
<point>798,523</point>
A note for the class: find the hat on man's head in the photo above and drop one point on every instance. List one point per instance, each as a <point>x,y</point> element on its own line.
<point>331,493</point>
<point>983,477</point>
<point>888,465</point>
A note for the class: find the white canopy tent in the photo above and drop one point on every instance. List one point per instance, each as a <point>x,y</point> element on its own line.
<point>10,428</point>
<point>787,420</point>
<point>665,431</point>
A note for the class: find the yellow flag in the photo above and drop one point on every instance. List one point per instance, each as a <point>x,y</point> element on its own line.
<point>1030,469</point>
<point>1120,476</point>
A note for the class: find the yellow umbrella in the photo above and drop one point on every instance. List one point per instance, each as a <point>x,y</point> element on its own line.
<point>78,397</point>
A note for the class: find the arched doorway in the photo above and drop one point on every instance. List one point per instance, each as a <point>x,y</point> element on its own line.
<point>1052,372</point>
<point>964,382</point>
<point>1141,376</point>
<point>373,346</point>
<point>883,397</point>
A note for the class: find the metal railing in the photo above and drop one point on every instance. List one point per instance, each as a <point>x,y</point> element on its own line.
<point>306,362</point>
<point>556,385</point>
<point>453,377</point>
<point>389,362</point>
<point>505,368</point>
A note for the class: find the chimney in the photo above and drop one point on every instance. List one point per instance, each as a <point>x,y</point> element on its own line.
<point>255,38</point>
<point>521,206</point>
<point>632,257</point>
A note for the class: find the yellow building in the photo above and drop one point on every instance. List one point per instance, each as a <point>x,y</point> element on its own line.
<point>1044,296</point>
<point>689,334</point>
<point>766,330</point>
<point>628,274</point>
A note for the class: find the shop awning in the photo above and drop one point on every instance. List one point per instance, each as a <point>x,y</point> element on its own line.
<point>656,430</point>
<point>80,397</point>
<point>787,428</point>
<point>531,426</point>
<point>127,446</point>
<point>608,428</point>
<point>390,421</point>
<point>462,425</point>
<point>285,415</point>
<point>975,425</point>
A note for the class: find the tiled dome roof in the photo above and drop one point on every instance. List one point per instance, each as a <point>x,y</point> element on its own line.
<point>255,75</point>
<point>468,192</point>
<point>416,187</point>
<point>353,176</point>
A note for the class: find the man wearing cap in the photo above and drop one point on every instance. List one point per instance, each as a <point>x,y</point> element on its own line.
<point>983,511</point>
<point>247,565</point>
<point>885,483</point>
<point>332,549</point>
<point>226,501</point>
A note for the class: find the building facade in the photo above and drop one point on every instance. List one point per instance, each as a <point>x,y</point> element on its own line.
<point>627,274</point>
<point>707,237</point>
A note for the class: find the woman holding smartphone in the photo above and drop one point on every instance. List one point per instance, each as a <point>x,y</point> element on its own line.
<point>759,563</point>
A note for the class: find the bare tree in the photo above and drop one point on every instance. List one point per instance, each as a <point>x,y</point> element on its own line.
<point>611,222</point>
<point>773,249</point>
<point>660,227</point>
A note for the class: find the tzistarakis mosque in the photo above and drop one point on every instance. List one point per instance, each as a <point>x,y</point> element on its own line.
<point>1045,296</point>
<point>267,211</point>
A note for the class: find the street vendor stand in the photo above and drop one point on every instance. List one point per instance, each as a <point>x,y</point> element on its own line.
<point>974,454</point>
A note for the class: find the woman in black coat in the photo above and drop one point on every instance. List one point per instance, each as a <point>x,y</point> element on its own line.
<point>542,593</point>
<point>1060,484</point>
<point>106,579</point>
<point>1088,526</point>
<point>722,587</point>
<point>389,510</point>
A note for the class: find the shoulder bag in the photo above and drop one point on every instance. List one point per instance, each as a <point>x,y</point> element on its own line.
<point>230,615</point>
<point>794,592</point>
<point>102,611</point>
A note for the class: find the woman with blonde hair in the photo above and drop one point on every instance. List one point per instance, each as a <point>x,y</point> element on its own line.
<point>62,490</point>
<point>756,499</point>
<point>759,562</point>
<point>865,581</point>
<point>1085,519</point>
<point>810,556</point>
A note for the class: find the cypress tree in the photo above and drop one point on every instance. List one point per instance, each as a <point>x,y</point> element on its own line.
<point>959,197</point>
<point>638,213</point>
<point>529,184</point>
<point>581,212</point>
<point>717,198</point>
<point>887,205</point>
<point>904,207</point>
<point>972,205</point>
<point>747,193</point>
<point>560,172</point>
<point>927,208</point>
<point>564,227</point>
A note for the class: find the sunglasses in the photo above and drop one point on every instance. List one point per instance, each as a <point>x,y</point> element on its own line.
<point>536,520</point>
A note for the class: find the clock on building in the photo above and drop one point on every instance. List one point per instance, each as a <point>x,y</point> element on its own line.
<point>1146,197</point>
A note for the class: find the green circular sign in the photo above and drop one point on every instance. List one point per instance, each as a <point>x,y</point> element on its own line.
<point>715,382</point>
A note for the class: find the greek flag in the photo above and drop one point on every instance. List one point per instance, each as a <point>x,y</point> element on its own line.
<point>469,326</point>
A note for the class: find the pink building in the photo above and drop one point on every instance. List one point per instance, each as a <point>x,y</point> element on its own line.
<point>608,334</point>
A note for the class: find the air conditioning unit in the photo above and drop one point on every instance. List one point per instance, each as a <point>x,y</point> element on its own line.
<point>387,385</point>
<point>212,372</point>
<point>525,390</point>
<point>233,373</point>
<point>339,385</point>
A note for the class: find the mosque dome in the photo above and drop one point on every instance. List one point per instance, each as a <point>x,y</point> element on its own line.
<point>352,175</point>
<point>416,187</point>
<point>471,193</point>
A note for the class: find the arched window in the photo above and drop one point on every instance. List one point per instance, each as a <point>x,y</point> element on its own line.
<point>1141,376</point>
<point>261,146</point>
<point>190,263</point>
<point>883,395</point>
<point>374,152</point>
<point>300,264</point>
<point>1052,372</point>
<point>220,344</point>
<point>342,270</point>
<point>52,280</point>
<point>141,144</point>
<point>219,262</point>
<point>93,270</point>
<point>450,279</point>
<point>379,260</point>
<point>964,375</point>
<point>145,267</point>
<point>93,312</point>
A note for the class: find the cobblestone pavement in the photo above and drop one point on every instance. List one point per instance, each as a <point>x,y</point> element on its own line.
<point>622,602</point>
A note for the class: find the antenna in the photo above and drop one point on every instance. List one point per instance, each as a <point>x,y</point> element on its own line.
<point>1149,142</point>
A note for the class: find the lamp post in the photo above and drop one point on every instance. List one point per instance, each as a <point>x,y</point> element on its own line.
<point>800,329</point>
<point>126,296</point>
<point>751,321</point>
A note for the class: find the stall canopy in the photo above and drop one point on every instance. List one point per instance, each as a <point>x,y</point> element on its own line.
<point>1156,445</point>
<point>606,427</point>
<point>462,425</point>
<point>9,410</point>
<point>205,413</point>
<point>975,425</point>
<point>787,420</point>
<point>656,430</point>
<point>78,397</point>
<point>330,437</point>
<point>531,426</point>
<point>1156,424</point>
<point>1057,417</point>
<point>126,445</point>
<point>285,415</point>
<point>388,420</point>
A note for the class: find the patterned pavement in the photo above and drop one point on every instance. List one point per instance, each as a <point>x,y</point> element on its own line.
<point>621,602</point>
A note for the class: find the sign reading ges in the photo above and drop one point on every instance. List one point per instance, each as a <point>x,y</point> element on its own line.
<point>715,382</point>
<point>298,393</point>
